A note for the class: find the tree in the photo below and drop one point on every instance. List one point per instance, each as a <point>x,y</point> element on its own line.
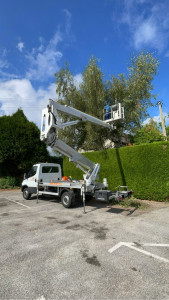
<point>69,94</point>
<point>167,131</point>
<point>148,133</point>
<point>133,90</point>
<point>89,97</point>
<point>93,93</point>
<point>167,127</point>
<point>20,145</point>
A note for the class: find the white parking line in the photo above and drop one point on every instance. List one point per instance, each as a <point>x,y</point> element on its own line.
<point>154,245</point>
<point>18,203</point>
<point>41,298</point>
<point>132,246</point>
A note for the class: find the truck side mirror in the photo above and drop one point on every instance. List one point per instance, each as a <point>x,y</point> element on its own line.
<point>24,176</point>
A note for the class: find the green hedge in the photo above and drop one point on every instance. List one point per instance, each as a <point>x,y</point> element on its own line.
<point>144,168</point>
<point>9,182</point>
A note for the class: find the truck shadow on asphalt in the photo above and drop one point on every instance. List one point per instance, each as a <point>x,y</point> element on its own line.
<point>44,198</point>
<point>114,210</point>
<point>90,205</point>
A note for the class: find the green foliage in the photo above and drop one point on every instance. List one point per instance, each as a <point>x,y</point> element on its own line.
<point>167,131</point>
<point>69,95</point>
<point>89,97</point>
<point>131,202</point>
<point>8,182</point>
<point>133,90</point>
<point>20,145</point>
<point>94,97</point>
<point>149,133</point>
<point>144,168</point>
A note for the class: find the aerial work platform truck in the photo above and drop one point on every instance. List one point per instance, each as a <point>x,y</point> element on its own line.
<point>46,178</point>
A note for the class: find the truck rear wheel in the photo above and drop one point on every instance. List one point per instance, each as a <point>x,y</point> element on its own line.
<point>26,194</point>
<point>68,199</point>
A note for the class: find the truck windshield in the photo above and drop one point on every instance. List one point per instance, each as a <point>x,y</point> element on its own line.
<point>32,172</point>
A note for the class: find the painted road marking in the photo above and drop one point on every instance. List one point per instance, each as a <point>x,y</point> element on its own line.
<point>38,206</point>
<point>132,246</point>
<point>18,203</point>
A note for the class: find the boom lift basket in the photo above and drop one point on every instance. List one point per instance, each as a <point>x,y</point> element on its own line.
<point>113,113</point>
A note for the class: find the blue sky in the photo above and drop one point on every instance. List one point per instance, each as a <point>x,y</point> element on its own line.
<point>38,37</point>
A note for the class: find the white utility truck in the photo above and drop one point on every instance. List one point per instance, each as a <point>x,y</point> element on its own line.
<point>46,178</point>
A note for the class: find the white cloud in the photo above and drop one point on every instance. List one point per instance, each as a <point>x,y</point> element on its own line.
<point>3,62</point>
<point>78,78</point>
<point>146,33</point>
<point>158,119</point>
<point>68,21</point>
<point>20,46</point>
<point>155,118</point>
<point>4,66</point>
<point>41,61</point>
<point>20,93</point>
<point>44,60</point>
<point>147,22</point>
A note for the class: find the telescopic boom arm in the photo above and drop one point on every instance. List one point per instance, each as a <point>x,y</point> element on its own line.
<point>51,123</point>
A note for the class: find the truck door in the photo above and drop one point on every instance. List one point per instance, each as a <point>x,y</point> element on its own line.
<point>32,177</point>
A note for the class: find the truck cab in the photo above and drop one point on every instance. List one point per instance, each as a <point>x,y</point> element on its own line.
<point>39,173</point>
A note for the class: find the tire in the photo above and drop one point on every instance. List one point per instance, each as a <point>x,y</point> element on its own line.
<point>26,194</point>
<point>68,199</point>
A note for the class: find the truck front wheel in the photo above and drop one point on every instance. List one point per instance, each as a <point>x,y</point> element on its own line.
<point>26,194</point>
<point>68,199</point>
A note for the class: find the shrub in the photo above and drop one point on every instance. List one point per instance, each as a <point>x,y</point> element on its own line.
<point>20,146</point>
<point>144,168</point>
<point>8,182</point>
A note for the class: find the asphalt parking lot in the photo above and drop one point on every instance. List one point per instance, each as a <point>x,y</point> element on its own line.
<point>50,252</point>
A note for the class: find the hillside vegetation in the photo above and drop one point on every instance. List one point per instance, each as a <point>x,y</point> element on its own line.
<point>144,168</point>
